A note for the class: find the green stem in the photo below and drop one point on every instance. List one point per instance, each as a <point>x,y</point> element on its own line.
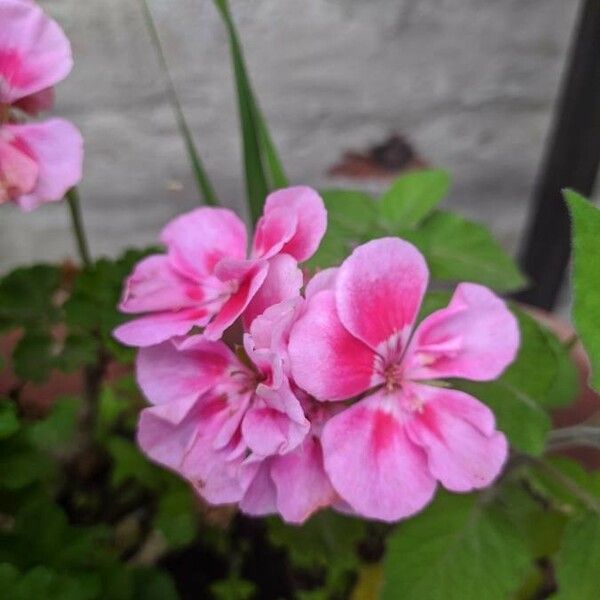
<point>202,181</point>
<point>78,229</point>
<point>587,499</point>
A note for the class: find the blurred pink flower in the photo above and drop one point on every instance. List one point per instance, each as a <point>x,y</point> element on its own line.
<point>39,162</point>
<point>34,55</point>
<point>205,279</point>
<point>386,453</point>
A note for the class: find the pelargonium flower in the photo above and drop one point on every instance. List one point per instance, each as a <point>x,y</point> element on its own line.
<point>385,453</point>
<point>35,55</point>
<point>215,417</point>
<point>205,279</point>
<point>38,162</point>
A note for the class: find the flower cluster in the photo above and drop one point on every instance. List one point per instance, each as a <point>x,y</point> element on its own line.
<point>39,162</point>
<point>333,397</point>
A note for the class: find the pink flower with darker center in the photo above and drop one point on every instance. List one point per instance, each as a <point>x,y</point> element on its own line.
<point>205,279</point>
<point>38,162</point>
<point>216,418</point>
<point>385,453</point>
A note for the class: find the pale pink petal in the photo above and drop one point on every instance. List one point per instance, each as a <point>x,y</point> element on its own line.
<point>283,281</point>
<point>326,360</point>
<point>308,208</point>
<point>18,169</point>
<point>372,464</point>
<point>273,230</point>
<point>379,290</point>
<point>154,286</point>
<point>260,498</point>
<point>199,239</point>
<point>475,337</point>
<point>37,103</point>
<point>165,435</point>
<point>34,52</point>
<point>57,148</point>
<point>301,482</point>
<point>224,484</point>
<point>268,431</point>
<point>321,281</point>
<point>463,451</point>
<point>159,327</point>
<point>248,276</point>
<point>173,370</point>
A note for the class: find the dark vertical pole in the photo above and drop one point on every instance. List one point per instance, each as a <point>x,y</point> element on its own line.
<point>572,160</point>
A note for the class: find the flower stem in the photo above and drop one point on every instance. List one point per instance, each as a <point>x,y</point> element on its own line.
<point>78,229</point>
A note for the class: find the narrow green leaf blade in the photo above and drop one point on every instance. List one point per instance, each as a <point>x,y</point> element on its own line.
<point>586,277</point>
<point>256,177</point>
<point>455,550</point>
<point>412,197</point>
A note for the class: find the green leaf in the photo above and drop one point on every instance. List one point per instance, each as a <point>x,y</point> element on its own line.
<point>519,396</point>
<point>26,297</point>
<point>153,584</point>
<point>351,219</point>
<point>177,515</point>
<point>586,278</point>
<point>131,464</point>
<point>460,250</point>
<point>577,562</point>
<point>9,421</point>
<point>412,197</point>
<point>565,388</point>
<point>456,550</point>
<point>58,428</point>
<point>233,588</point>
<point>327,542</point>
<point>34,357</point>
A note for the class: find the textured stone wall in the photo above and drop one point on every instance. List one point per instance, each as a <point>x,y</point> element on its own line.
<point>471,82</point>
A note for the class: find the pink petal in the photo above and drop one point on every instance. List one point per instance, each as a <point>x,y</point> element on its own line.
<point>301,482</point>
<point>464,452</point>
<point>248,276</point>
<point>159,327</point>
<point>326,360</point>
<point>475,337</point>
<point>308,208</point>
<point>283,281</point>
<point>34,52</point>
<point>379,291</point>
<point>57,148</point>
<point>321,281</point>
<point>18,169</point>
<point>174,371</point>
<point>165,435</point>
<point>372,463</point>
<point>199,239</point>
<point>260,498</point>
<point>154,286</point>
<point>273,230</point>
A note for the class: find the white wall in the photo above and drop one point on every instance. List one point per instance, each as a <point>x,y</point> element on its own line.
<point>471,82</point>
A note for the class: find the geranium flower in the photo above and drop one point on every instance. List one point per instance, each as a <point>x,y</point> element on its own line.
<point>34,56</point>
<point>215,417</point>
<point>385,453</point>
<point>38,162</point>
<point>205,280</point>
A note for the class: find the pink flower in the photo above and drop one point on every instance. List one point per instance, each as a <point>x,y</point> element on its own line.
<point>34,55</point>
<point>385,454</point>
<point>39,162</point>
<point>215,418</point>
<point>205,280</point>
